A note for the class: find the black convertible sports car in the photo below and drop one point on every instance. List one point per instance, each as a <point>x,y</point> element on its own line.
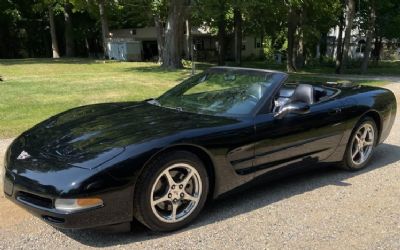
<point>159,160</point>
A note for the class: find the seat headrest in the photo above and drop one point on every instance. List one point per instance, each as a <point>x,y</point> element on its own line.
<point>257,90</point>
<point>303,93</point>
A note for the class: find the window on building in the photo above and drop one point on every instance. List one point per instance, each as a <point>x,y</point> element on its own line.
<point>199,43</point>
<point>360,46</point>
<point>258,42</point>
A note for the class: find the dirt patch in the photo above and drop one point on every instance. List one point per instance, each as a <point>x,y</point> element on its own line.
<point>10,214</point>
<point>395,88</point>
<point>4,143</point>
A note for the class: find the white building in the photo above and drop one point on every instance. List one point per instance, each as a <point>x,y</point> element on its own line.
<point>390,49</point>
<point>143,44</point>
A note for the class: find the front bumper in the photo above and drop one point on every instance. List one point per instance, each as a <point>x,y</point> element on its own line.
<point>117,206</point>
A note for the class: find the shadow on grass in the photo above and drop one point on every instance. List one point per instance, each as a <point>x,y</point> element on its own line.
<point>253,198</point>
<point>11,62</point>
<point>159,72</point>
<point>150,69</point>
<point>157,68</point>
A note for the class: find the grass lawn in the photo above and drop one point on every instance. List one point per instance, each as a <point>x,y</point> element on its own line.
<point>34,89</point>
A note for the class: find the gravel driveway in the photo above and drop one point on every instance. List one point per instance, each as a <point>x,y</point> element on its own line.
<point>321,209</point>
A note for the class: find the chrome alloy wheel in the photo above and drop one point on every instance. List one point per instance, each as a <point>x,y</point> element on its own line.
<point>176,193</point>
<point>363,144</point>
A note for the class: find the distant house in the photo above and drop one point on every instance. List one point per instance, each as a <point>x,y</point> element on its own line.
<point>141,45</point>
<point>142,41</point>
<point>390,49</point>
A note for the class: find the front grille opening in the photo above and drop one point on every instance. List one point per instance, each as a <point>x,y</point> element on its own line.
<point>53,219</point>
<point>35,199</point>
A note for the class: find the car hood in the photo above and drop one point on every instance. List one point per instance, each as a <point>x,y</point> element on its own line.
<point>91,135</point>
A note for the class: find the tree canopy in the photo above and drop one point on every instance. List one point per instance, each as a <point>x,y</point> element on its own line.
<point>297,29</point>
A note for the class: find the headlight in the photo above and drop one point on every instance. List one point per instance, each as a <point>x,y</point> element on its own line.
<point>71,205</point>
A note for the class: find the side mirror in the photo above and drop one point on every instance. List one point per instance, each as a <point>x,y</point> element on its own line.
<point>294,108</point>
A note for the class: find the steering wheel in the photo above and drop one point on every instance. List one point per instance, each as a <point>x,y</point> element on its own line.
<point>253,98</point>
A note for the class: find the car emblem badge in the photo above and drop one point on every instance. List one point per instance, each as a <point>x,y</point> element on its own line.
<point>23,155</point>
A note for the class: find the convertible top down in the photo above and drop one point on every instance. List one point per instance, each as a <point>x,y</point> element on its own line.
<point>159,160</point>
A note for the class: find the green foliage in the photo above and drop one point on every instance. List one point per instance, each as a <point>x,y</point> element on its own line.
<point>25,29</point>
<point>209,12</point>
<point>388,19</point>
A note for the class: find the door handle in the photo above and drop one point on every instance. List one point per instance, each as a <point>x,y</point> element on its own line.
<point>335,111</point>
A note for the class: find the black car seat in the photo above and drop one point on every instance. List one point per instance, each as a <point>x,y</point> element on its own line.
<point>257,90</point>
<point>303,93</point>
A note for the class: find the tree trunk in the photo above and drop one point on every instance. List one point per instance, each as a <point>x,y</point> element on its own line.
<point>69,36</point>
<point>339,47</point>
<point>188,39</point>
<point>172,55</point>
<point>332,54</point>
<point>300,52</point>
<point>221,39</point>
<point>54,44</point>
<point>104,26</point>
<point>350,7</point>
<point>368,44</point>
<point>237,16</point>
<point>160,37</point>
<point>322,47</point>
<point>377,50</point>
<point>87,47</point>
<point>292,26</point>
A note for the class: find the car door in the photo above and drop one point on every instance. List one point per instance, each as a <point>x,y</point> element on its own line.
<point>298,137</point>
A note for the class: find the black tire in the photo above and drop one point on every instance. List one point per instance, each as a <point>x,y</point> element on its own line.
<point>347,162</point>
<point>142,206</point>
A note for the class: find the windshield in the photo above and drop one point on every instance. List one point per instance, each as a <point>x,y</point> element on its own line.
<point>221,91</point>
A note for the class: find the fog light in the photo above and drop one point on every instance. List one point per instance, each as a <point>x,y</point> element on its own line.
<point>77,204</point>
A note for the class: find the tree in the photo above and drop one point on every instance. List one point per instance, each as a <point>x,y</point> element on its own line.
<point>339,42</point>
<point>10,16</point>
<point>214,14</point>
<point>104,25</point>
<point>267,19</point>
<point>159,14</point>
<point>239,9</point>
<point>69,35</point>
<point>370,13</point>
<point>159,25</point>
<point>317,17</point>
<point>349,13</point>
<point>50,6</point>
<point>307,21</point>
<point>221,48</point>
<point>296,27</point>
<point>237,16</point>
<point>173,47</point>
<point>387,24</point>
<point>54,43</point>
<point>292,22</point>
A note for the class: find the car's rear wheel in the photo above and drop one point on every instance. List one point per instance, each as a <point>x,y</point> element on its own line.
<point>361,145</point>
<point>171,191</point>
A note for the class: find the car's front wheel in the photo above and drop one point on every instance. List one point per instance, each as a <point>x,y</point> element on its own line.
<point>361,145</point>
<point>171,191</point>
